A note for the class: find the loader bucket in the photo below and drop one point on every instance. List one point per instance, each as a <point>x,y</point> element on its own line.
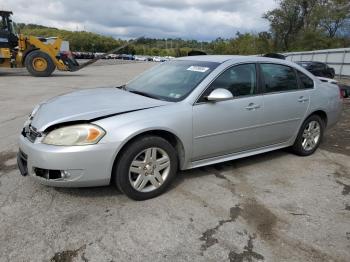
<point>70,62</point>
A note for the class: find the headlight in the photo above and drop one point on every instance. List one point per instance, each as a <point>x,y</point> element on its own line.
<point>76,135</point>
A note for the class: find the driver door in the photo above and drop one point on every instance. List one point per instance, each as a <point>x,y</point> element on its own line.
<point>229,126</point>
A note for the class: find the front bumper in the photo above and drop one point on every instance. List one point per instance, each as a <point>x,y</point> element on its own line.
<point>82,166</point>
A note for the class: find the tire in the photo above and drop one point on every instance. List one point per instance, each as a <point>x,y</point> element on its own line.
<point>140,185</point>
<point>300,146</point>
<point>39,64</point>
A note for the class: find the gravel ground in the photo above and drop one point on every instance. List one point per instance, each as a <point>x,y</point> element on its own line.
<point>338,138</point>
<point>271,207</point>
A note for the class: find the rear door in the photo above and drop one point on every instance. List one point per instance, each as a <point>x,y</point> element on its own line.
<point>285,102</point>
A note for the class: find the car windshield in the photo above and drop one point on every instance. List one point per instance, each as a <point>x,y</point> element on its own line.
<point>171,81</point>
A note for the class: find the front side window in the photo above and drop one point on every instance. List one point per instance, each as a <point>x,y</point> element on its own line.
<point>306,81</point>
<point>278,78</point>
<point>240,80</point>
<point>171,81</point>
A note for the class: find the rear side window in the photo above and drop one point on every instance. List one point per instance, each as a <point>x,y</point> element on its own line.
<point>306,82</point>
<point>278,78</point>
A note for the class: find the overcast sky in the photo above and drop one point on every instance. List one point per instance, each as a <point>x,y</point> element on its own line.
<point>189,19</point>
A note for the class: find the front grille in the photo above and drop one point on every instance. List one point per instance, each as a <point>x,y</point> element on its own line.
<point>30,133</point>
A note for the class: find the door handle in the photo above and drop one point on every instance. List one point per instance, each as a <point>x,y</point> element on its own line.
<point>303,99</point>
<point>252,106</point>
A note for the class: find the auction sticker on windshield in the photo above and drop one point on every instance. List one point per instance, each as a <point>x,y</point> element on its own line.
<point>200,69</point>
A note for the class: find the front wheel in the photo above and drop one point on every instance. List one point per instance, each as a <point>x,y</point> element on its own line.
<point>146,168</point>
<point>39,64</point>
<point>309,136</point>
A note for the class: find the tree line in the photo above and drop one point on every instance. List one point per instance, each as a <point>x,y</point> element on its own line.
<point>295,25</point>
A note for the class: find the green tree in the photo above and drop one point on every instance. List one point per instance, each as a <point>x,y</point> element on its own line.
<point>294,23</point>
<point>333,15</point>
<point>289,19</point>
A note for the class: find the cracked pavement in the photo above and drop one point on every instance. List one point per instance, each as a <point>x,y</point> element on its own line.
<point>270,207</point>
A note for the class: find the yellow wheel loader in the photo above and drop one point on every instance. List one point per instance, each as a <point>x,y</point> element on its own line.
<point>38,56</point>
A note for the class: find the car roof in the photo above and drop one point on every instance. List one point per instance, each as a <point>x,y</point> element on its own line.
<point>212,58</point>
<point>235,59</point>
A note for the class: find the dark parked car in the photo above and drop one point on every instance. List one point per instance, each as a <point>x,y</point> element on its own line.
<point>318,68</point>
<point>275,55</point>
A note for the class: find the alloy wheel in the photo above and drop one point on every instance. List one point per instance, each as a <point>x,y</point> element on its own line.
<point>149,169</point>
<point>311,135</point>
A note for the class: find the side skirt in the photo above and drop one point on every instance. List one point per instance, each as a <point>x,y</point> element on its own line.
<point>229,157</point>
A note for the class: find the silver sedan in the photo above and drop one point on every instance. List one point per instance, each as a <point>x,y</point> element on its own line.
<point>182,114</point>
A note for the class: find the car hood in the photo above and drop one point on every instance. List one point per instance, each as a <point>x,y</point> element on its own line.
<point>88,105</point>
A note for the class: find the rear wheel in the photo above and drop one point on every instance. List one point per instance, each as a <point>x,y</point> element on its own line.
<point>39,64</point>
<point>309,137</point>
<point>146,168</point>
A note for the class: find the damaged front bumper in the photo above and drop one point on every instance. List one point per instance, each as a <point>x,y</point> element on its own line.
<point>66,166</point>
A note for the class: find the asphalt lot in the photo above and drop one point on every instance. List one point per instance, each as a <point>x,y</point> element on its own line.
<point>271,207</point>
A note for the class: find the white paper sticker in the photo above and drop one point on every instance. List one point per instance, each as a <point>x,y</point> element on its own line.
<point>200,69</point>
<point>175,95</point>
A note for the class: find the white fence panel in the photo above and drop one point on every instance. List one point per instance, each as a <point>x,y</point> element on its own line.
<point>339,59</point>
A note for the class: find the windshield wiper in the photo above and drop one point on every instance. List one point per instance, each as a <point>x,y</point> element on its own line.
<point>144,94</point>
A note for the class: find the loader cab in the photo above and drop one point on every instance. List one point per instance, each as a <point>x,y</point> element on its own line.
<point>8,36</point>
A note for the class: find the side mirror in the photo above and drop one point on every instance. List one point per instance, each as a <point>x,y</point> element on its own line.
<point>220,94</point>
